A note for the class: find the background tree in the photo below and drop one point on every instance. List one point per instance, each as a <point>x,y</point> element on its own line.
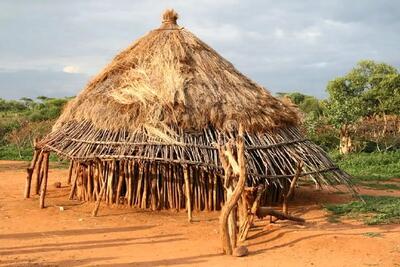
<point>359,94</point>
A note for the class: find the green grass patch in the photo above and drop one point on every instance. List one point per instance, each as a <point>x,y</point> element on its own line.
<point>381,186</point>
<point>11,152</point>
<point>370,166</point>
<point>373,210</point>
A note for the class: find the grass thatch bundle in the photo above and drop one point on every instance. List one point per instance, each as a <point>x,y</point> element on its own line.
<point>157,113</point>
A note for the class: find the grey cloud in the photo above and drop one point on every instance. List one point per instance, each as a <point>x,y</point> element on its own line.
<point>283,45</point>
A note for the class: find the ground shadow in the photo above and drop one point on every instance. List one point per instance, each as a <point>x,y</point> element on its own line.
<point>186,261</point>
<point>300,239</point>
<point>89,244</point>
<point>74,232</point>
<point>70,263</point>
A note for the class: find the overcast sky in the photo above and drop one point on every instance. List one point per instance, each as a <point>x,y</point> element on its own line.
<point>53,47</point>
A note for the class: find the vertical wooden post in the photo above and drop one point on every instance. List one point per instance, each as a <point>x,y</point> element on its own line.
<point>139,184</point>
<point>232,219</point>
<point>131,170</point>
<point>291,188</point>
<point>187,192</point>
<point>89,181</point>
<point>29,171</point>
<point>145,185</point>
<point>153,186</point>
<point>71,166</point>
<point>179,184</point>
<point>210,192</point>
<point>242,209</point>
<point>103,181</point>
<point>45,178</point>
<point>248,222</point>
<point>214,184</point>
<point>38,173</point>
<point>73,187</point>
<point>121,178</point>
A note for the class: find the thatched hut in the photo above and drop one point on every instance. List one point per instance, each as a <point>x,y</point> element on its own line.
<point>145,131</point>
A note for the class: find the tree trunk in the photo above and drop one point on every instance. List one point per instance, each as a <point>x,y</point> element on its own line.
<point>346,143</point>
<point>385,125</point>
<point>237,168</point>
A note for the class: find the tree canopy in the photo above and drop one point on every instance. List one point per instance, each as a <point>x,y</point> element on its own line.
<point>370,88</point>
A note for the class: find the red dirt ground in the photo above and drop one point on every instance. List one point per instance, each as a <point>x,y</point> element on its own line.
<point>122,236</point>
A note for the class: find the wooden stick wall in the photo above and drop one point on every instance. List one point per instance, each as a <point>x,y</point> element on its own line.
<point>147,185</point>
<point>142,184</point>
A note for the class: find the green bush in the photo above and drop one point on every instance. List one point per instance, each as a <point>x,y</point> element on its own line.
<point>370,166</point>
<point>371,209</point>
<point>11,152</point>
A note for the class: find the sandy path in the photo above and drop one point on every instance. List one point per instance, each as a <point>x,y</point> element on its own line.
<point>129,237</point>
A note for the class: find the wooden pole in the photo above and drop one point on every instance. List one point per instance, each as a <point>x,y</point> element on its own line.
<point>139,185</point>
<point>179,185</point>
<point>242,209</point>
<point>264,211</point>
<point>153,168</point>
<point>73,187</point>
<point>130,172</point>
<point>145,186</point>
<point>248,222</point>
<point>89,181</point>
<point>102,190</point>
<point>291,188</point>
<point>45,178</point>
<point>121,178</point>
<point>232,219</point>
<point>29,171</point>
<point>71,166</point>
<point>187,191</point>
<point>38,173</point>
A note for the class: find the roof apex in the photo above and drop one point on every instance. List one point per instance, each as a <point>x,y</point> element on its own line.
<point>169,18</point>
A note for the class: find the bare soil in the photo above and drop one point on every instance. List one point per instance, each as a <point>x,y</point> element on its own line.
<point>122,236</point>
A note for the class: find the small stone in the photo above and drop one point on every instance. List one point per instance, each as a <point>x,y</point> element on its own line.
<point>62,209</point>
<point>57,184</point>
<point>240,251</point>
<point>80,219</point>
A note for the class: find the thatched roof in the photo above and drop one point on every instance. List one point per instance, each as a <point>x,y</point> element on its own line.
<point>170,97</point>
<point>170,77</point>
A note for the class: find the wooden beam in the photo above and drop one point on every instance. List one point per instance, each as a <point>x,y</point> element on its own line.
<point>292,187</point>
<point>71,166</point>
<point>29,172</point>
<point>45,178</point>
<point>265,211</point>
<point>102,190</point>
<point>188,196</point>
